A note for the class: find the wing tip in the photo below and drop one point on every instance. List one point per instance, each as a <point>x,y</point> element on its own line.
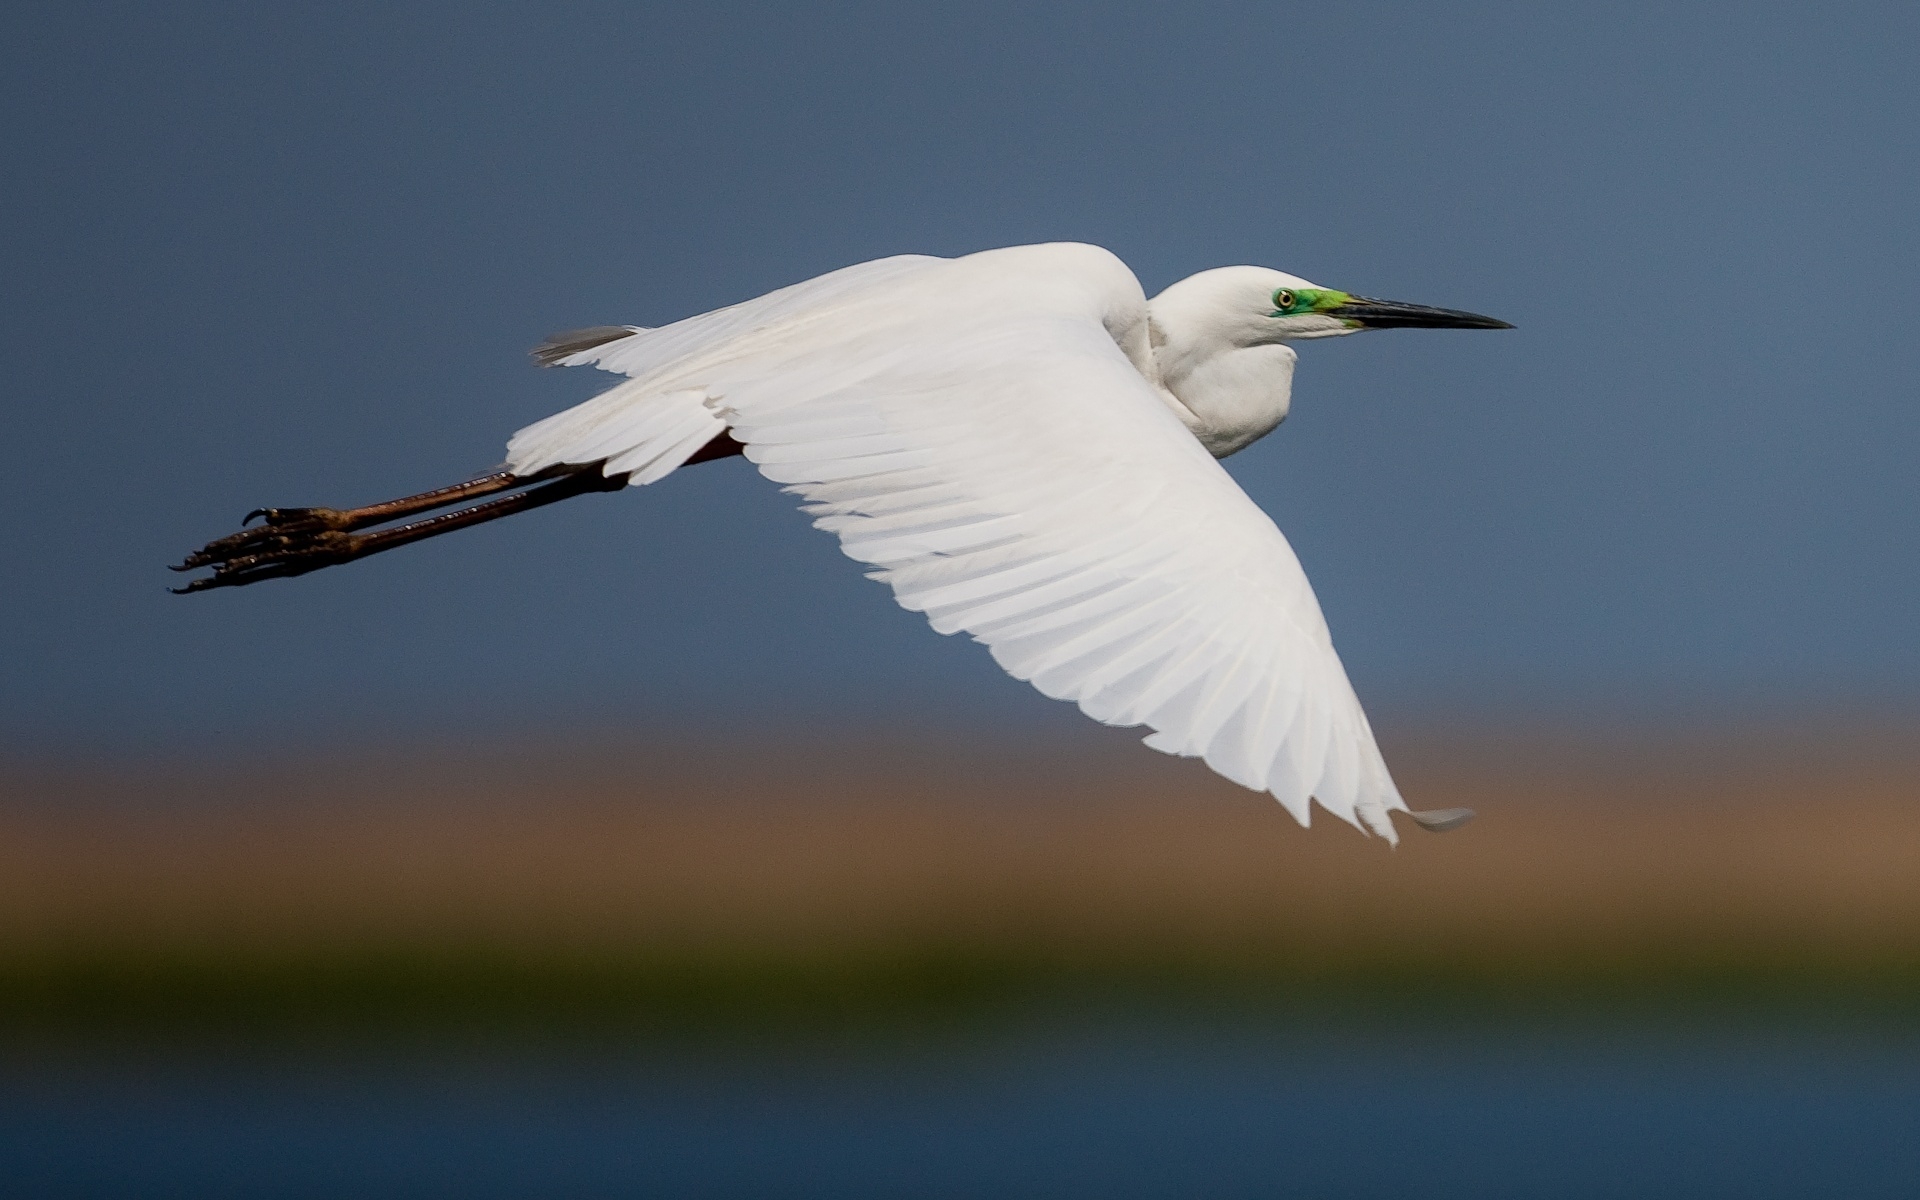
<point>1442,820</point>
<point>558,347</point>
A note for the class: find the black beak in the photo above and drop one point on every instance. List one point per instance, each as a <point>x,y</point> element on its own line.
<point>1391,314</point>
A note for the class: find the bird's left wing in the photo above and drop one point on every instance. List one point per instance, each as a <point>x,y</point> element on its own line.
<point>975,434</point>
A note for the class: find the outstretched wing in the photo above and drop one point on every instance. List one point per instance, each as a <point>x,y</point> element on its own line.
<point>971,430</point>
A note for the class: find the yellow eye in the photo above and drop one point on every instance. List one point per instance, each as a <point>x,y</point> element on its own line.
<point>1283,299</point>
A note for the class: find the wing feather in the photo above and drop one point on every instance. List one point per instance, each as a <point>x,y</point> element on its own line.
<point>971,430</point>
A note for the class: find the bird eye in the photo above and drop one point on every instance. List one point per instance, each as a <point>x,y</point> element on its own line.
<point>1283,299</point>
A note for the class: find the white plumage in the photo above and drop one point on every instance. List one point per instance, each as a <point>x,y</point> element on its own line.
<point>1017,443</point>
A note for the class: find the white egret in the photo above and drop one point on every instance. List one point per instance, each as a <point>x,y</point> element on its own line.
<point>1023,447</point>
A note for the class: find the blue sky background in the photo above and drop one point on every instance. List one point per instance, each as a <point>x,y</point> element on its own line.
<point>273,254</point>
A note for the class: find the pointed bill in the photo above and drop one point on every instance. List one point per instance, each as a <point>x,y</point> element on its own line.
<point>1392,314</point>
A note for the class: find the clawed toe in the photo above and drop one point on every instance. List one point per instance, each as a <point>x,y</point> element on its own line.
<point>269,552</point>
<point>303,518</point>
<point>290,535</point>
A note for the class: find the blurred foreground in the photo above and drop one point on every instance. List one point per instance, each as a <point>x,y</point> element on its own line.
<point>1653,968</point>
<point>869,885</point>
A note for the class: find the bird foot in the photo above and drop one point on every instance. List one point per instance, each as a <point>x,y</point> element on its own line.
<point>294,541</point>
<point>291,541</point>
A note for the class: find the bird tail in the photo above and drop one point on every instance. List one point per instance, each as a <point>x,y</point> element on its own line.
<point>633,429</point>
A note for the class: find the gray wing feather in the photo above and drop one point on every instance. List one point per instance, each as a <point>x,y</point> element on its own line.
<point>573,341</point>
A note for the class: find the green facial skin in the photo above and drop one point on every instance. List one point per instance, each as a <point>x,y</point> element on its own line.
<point>1294,302</point>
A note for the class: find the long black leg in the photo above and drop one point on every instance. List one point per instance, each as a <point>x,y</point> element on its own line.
<point>294,541</point>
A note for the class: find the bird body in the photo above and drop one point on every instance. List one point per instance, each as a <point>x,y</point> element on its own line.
<point>1023,447</point>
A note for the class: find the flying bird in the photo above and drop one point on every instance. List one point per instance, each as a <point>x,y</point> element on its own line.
<point>1022,446</point>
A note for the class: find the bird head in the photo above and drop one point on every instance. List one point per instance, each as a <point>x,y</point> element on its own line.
<point>1257,306</point>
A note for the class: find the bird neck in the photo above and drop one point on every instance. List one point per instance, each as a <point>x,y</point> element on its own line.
<point>1229,396</point>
